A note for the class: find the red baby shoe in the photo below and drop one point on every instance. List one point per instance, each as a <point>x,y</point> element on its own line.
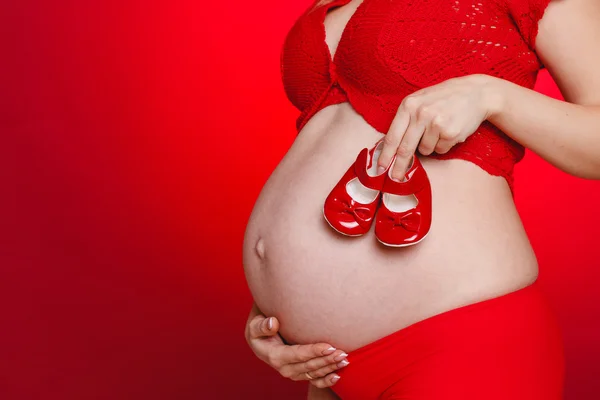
<point>404,216</point>
<point>350,206</point>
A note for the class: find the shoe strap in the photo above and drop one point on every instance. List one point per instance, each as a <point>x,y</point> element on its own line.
<point>416,180</point>
<point>364,161</point>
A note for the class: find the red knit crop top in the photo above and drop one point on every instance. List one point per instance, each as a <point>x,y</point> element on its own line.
<point>391,48</point>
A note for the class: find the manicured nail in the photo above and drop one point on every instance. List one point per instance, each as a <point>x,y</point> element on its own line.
<point>380,170</point>
<point>343,363</point>
<point>270,323</point>
<point>335,378</point>
<point>328,351</point>
<point>340,357</point>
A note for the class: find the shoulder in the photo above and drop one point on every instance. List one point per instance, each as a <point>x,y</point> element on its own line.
<point>526,15</point>
<point>567,43</point>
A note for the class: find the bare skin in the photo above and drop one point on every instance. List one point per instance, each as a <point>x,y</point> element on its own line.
<point>320,360</point>
<point>319,286</point>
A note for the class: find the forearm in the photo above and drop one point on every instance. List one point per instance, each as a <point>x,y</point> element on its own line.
<point>566,135</point>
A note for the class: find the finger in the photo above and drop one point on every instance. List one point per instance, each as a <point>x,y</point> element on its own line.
<point>429,140</point>
<point>406,149</point>
<point>393,138</point>
<point>320,373</point>
<point>319,353</point>
<point>299,373</point>
<point>443,146</point>
<point>336,360</point>
<point>329,368</point>
<point>260,326</point>
<point>326,381</point>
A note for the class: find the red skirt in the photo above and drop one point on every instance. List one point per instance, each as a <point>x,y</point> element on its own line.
<point>505,348</point>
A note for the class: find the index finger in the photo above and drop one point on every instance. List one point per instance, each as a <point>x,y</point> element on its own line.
<point>393,138</point>
<point>302,352</point>
<point>406,150</point>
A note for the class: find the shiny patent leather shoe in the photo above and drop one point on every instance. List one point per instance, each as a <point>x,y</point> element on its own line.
<point>351,205</point>
<point>404,215</point>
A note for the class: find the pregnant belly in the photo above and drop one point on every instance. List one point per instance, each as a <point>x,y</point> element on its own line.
<point>323,286</point>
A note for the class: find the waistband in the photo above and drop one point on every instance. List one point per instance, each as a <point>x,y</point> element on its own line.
<point>506,344</point>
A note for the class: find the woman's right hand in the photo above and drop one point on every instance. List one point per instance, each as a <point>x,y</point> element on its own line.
<point>320,360</point>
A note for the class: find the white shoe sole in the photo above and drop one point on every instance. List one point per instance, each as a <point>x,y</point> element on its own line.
<point>402,245</point>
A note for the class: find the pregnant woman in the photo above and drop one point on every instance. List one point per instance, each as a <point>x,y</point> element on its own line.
<point>460,314</point>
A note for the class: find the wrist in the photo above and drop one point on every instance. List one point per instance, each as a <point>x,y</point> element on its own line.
<point>493,94</point>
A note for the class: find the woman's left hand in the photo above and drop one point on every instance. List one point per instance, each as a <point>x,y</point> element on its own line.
<point>436,118</point>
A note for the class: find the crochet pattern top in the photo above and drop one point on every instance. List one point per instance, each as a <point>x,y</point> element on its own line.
<point>391,48</point>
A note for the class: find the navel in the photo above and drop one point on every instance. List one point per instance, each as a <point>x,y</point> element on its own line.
<point>259,247</point>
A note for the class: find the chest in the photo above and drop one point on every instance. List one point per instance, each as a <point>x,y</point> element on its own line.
<point>335,20</point>
<point>420,41</point>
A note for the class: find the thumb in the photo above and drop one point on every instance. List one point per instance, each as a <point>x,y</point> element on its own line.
<point>261,326</point>
<point>270,326</point>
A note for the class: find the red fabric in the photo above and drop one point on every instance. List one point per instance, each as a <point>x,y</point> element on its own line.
<point>390,49</point>
<point>507,347</point>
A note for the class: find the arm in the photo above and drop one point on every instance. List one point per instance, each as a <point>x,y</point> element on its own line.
<point>564,133</point>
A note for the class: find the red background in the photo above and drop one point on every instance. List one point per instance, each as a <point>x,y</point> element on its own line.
<point>126,128</point>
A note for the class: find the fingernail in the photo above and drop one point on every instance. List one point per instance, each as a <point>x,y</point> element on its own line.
<point>398,179</point>
<point>343,363</point>
<point>380,170</point>
<point>335,378</point>
<point>340,357</point>
<point>328,351</point>
<point>270,323</point>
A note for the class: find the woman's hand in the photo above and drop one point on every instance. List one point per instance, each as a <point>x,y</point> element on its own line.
<point>436,118</point>
<point>320,360</point>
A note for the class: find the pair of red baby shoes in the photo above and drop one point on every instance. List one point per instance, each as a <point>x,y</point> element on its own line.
<point>401,210</point>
